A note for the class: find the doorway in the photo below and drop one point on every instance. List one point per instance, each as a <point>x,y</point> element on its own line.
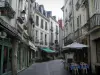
<point>5,57</point>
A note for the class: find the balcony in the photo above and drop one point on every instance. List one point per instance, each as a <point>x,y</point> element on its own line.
<point>77,5</point>
<point>56,42</point>
<point>51,29</point>
<point>84,2</point>
<point>57,32</point>
<point>6,9</point>
<point>51,43</point>
<point>94,22</point>
<point>37,41</point>
<point>66,20</point>
<point>41,42</point>
<point>45,42</point>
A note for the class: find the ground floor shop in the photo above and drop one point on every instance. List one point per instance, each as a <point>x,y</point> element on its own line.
<point>5,56</point>
<point>25,56</point>
<point>95,51</point>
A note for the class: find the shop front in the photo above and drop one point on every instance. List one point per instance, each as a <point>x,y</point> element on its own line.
<point>95,51</point>
<point>25,55</point>
<point>5,56</point>
<point>8,37</point>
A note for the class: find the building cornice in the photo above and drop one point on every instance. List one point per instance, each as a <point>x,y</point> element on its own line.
<point>53,19</point>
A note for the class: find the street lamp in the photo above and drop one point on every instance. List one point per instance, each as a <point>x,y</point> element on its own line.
<point>3,34</point>
<point>23,14</point>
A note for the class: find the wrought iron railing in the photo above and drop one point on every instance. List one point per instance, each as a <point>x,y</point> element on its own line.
<point>94,21</point>
<point>8,10</point>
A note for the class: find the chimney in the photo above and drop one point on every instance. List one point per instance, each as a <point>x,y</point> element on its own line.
<point>49,13</point>
<point>54,17</point>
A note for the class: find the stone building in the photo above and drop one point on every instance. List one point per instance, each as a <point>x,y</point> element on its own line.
<point>16,45</point>
<point>85,28</point>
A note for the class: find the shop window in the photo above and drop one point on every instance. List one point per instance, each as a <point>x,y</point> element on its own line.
<point>7,60</point>
<point>18,59</point>
<point>0,55</point>
<point>98,50</point>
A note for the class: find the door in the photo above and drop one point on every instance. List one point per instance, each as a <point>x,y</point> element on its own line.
<point>0,57</point>
<point>5,58</point>
<point>7,53</point>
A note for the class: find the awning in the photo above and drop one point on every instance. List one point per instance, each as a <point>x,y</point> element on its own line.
<point>32,46</point>
<point>48,50</point>
<point>76,45</point>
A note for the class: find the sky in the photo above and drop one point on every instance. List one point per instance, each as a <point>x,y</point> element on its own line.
<point>54,6</point>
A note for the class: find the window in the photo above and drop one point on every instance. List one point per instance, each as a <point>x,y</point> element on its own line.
<point>41,36</point>
<point>36,33</point>
<point>45,39</point>
<point>51,26</point>
<point>37,20</point>
<point>80,19</point>
<point>52,37</point>
<point>57,29</point>
<point>71,27</point>
<point>7,60</point>
<point>98,50</point>
<point>42,23</point>
<point>45,25</point>
<point>78,22</point>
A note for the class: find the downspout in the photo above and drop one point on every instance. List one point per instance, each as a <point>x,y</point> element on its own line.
<point>73,20</point>
<point>89,61</point>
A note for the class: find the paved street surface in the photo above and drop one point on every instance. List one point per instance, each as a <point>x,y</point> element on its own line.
<point>54,67</point>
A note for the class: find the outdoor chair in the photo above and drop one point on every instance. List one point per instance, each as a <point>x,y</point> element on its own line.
<point>84,68</point>
<point>75,69</point>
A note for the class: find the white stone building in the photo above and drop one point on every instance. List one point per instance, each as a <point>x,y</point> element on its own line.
<point>75,22</point>
<point>53,33</point>
<point>94,34</point>
<point>42,26</point>
<point>15,24</point>
<point>86,28</point>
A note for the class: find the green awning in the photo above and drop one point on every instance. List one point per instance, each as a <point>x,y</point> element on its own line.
<point>47,50</point>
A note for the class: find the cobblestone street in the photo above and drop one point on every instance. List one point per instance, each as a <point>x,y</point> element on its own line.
<point>55,67</point>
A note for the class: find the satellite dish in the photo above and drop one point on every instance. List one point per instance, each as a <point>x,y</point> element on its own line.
<point>3,34</point>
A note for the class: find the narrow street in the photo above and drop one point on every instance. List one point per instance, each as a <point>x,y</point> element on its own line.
<point>54,67</point>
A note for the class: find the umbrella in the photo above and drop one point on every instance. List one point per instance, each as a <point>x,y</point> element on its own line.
<point>76,45</point>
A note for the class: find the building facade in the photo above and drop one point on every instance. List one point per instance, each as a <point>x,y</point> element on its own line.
<point>85,28</point>
<point>41,30</point>
<point>60,21</point>
<point>94,22</point>
<point>53,33</point>
<point>46,29</point>
<point>16,51</point>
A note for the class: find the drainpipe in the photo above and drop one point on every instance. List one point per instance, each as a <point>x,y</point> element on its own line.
<point>89,58</point>
<point>73,20</point>
<point>89,51</point>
